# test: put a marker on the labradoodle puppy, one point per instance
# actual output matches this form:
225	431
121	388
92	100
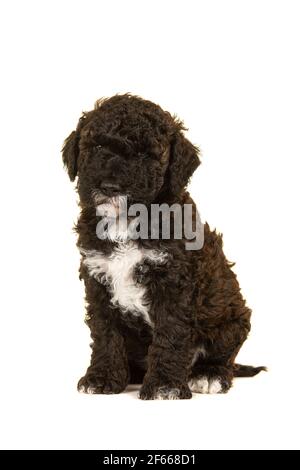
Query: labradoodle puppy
160	314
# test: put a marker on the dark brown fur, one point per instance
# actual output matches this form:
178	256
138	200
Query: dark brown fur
194	298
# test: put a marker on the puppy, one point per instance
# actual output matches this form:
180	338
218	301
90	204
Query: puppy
161	312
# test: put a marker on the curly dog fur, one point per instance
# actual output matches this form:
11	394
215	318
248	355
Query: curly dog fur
171	319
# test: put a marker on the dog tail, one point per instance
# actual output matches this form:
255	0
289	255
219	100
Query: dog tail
247	371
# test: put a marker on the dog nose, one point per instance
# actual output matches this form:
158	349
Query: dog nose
110	187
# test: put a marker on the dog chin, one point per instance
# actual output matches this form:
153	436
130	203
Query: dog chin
99	197
109	206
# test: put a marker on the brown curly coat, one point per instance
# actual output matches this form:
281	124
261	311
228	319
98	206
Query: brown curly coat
198	319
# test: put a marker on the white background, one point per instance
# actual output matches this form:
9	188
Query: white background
231	70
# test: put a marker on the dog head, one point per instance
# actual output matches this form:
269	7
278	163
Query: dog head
129	146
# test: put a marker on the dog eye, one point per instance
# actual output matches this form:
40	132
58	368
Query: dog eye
98	147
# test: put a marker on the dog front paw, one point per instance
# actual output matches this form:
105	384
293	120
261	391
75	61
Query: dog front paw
95	384
165	393
210	385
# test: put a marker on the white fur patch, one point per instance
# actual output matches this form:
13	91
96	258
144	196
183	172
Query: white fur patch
200	385
90	390
203	385
215	386
114	221
116	271
167	394
110	207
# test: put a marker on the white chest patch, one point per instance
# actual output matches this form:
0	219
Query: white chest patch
117	272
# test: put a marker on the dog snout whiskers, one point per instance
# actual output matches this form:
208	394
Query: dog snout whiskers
112	188
98	197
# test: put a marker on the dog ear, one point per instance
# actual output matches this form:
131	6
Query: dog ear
70	154
184	160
